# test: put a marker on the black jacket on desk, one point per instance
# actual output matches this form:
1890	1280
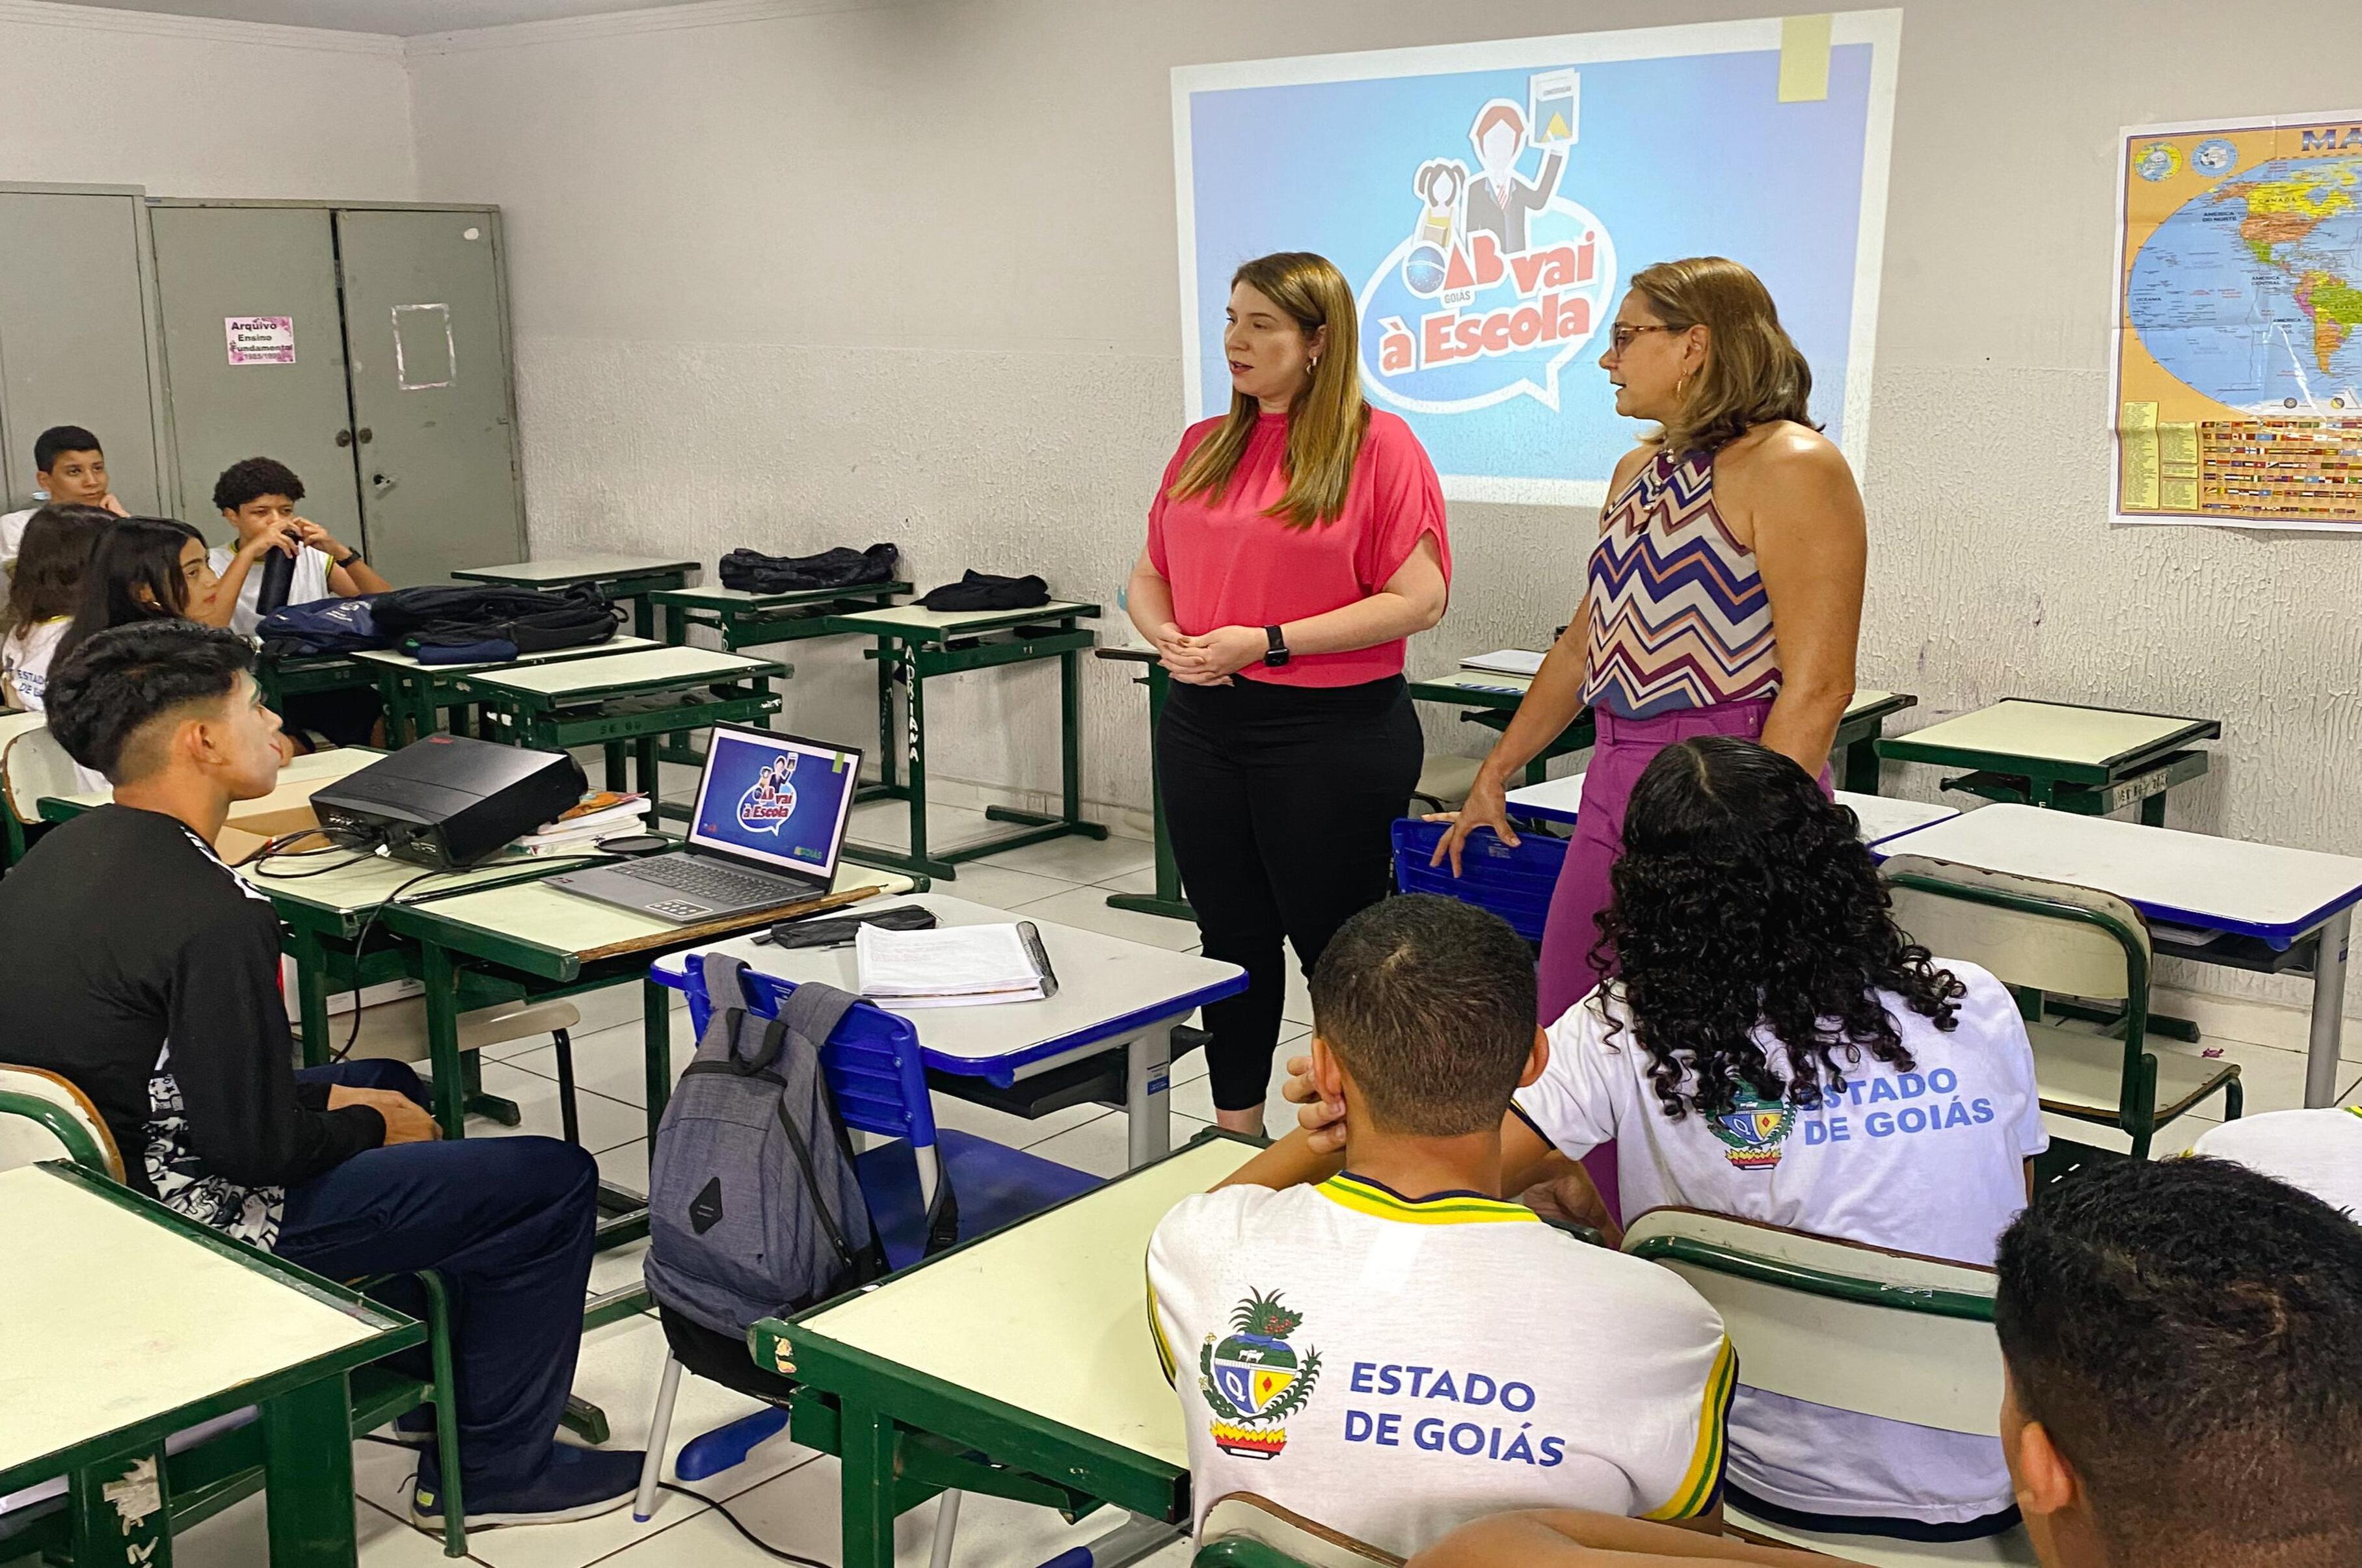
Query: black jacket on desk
133	964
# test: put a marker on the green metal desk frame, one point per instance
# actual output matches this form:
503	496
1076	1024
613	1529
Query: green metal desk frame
746	621
2140	777
914	654
304	1440
640	588
1493	710
903	1436
587	716
1167	900
280	679
416	695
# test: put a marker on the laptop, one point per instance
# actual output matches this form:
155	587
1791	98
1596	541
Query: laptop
768	830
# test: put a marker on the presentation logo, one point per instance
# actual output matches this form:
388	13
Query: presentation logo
1253	1380
1503	279
770	800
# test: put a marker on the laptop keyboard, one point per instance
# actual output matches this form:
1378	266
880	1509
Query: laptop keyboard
720	884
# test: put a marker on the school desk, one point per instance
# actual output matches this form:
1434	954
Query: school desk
742	619
1113	995
1018	1364
2069	758
636	578
415	694
127	1322
2214	901
619	699
917	644
1882	816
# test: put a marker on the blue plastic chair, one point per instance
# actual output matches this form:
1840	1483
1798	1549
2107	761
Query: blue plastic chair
877	1072
1515	882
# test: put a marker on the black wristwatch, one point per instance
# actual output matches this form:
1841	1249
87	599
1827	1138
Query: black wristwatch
349	559
1278	654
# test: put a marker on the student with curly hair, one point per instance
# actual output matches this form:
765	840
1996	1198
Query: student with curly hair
1774	1047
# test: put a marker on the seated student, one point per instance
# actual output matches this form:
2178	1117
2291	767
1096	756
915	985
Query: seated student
142	970
147	568
2179	1341
71	471
1775	1048
43	593
1397	1351
257	498
2319	1152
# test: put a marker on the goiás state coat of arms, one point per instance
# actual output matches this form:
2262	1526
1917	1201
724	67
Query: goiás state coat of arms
1753	1130
1253	1379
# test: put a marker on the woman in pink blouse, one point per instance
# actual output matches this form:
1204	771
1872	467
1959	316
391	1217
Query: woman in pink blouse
1293	544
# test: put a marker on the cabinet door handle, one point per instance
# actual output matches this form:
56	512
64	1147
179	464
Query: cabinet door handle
343	437
381	483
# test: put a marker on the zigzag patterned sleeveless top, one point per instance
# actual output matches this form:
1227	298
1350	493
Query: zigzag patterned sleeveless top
1679	615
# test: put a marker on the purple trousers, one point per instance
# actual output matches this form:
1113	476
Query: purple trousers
1626	746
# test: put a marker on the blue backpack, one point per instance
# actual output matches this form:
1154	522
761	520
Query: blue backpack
323	626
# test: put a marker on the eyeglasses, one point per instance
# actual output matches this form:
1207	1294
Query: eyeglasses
1620	335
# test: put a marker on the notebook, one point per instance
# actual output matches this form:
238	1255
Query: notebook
1504	661
953	965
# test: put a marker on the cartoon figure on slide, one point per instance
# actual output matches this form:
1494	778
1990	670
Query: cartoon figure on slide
771	799
1500	200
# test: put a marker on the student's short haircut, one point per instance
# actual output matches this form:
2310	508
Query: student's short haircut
252	480
57	440
2187	1332
1429	1003
106	692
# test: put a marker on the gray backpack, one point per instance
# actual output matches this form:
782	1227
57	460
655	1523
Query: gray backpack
754	1211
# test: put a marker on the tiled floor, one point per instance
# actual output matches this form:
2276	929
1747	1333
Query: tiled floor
787	1494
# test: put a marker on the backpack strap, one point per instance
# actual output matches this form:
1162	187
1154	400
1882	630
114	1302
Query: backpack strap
726	992
813	1010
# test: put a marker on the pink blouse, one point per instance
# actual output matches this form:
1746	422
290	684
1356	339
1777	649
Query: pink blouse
1231	565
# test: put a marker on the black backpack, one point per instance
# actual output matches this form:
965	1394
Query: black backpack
470	624
751	571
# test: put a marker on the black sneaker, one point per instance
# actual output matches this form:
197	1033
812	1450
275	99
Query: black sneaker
577	1483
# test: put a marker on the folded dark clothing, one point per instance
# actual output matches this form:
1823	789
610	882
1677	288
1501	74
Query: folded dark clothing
982	590
751	571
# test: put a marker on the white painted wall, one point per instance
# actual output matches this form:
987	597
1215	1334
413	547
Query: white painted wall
907	271
190	107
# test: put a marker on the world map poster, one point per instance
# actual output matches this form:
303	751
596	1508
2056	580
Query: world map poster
2238	374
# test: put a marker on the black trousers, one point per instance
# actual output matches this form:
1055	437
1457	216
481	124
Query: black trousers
1280	802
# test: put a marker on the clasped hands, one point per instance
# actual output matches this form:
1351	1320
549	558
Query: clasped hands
1211	660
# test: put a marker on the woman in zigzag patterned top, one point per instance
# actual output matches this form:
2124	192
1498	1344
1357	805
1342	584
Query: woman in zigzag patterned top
1723	596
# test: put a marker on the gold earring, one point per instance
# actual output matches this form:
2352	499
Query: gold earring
1681	385
1312	364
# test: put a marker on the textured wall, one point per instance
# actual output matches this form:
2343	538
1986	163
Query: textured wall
907	271
189	107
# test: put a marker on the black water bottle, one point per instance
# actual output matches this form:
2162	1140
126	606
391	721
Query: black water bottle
278	577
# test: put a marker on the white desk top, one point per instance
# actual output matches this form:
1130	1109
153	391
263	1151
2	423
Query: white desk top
2185	878
1882	816
647	666
615	645
1106	987
1488	681
916	617
561	922
355	886
2051	732
1071	1278
577	569
110	1318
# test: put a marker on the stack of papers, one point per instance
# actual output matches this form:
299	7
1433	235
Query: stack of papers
600	815
1504	661
952	965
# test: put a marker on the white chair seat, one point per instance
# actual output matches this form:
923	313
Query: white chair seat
397	1030
2082	1074
1879	1552
1446	780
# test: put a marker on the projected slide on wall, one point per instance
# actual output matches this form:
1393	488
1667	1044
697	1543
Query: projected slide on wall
1490	201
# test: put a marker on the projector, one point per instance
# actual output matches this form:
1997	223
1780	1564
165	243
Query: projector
449	801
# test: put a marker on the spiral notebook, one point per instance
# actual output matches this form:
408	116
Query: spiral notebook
953	965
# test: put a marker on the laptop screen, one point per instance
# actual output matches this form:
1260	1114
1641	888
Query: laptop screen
775	800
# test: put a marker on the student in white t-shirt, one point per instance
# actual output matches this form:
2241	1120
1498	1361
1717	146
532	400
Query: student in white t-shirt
71	470
43	593
1748	919
2319	1152
257	498
1397	1351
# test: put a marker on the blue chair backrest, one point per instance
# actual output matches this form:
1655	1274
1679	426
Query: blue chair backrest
871	1060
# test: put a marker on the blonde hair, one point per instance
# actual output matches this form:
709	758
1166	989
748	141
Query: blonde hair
1327	420
1753	371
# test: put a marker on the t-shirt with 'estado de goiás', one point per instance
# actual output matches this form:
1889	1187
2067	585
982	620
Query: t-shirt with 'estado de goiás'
1394	1368
1930	1161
